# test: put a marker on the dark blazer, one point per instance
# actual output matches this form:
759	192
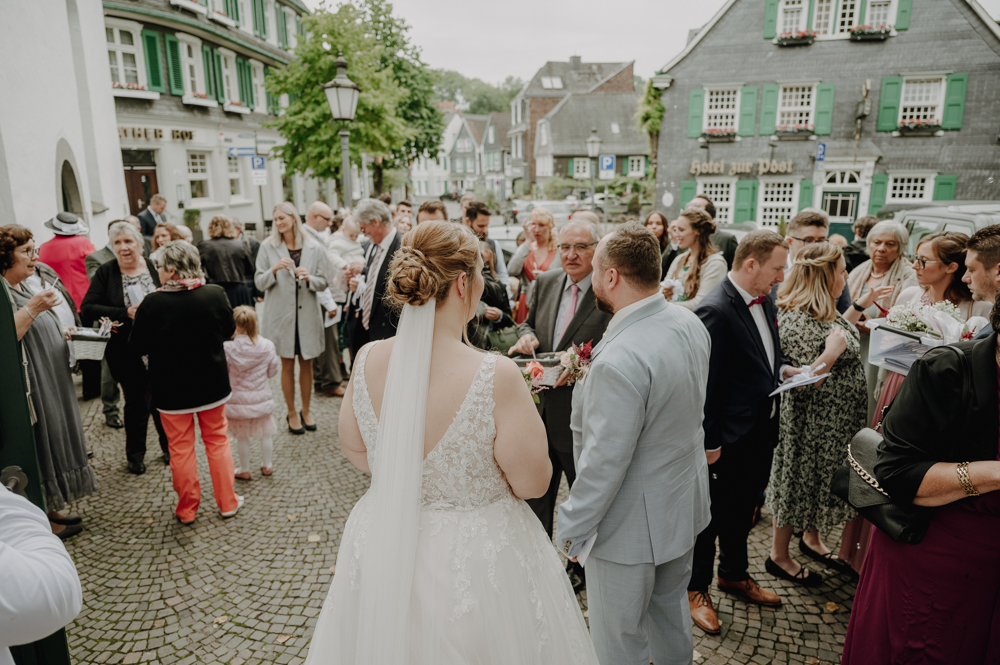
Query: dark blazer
739	378
587	325
933	419
183	333
384	320
105	297
225	260
94	261
667	257
727	244
147	223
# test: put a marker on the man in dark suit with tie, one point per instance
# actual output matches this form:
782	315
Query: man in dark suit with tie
741	421
152	215
562	311
368	318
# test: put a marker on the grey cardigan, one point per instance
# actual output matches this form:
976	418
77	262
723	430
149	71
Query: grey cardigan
283	294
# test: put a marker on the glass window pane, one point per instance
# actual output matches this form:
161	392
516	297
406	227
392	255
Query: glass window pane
129	68
126	37
821	16
721	109
113	61
845	20
198	189
109	34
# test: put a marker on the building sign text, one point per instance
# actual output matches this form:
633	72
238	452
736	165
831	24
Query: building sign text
719	167
154	133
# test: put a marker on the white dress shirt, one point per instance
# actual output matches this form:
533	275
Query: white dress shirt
764	329
39	586
583	286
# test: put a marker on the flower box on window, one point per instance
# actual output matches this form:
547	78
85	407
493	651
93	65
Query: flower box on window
719	135
870	33
127	86
796	38
919	127
200	95
793	132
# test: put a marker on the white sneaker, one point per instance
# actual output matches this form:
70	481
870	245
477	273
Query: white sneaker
239	504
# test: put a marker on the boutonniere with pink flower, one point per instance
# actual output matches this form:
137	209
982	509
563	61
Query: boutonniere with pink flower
532	373
576	361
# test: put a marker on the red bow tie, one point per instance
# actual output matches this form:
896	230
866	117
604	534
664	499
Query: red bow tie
759	300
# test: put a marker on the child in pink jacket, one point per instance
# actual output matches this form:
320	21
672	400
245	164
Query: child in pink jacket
252	361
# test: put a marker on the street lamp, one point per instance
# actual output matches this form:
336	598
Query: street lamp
593	150
342	96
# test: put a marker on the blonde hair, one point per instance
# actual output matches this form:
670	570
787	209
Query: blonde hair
810	282
288	209
431	257
221	227
245	317
544	216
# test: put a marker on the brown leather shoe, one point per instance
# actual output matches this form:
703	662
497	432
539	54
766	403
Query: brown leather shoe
339	391
702	612
750	590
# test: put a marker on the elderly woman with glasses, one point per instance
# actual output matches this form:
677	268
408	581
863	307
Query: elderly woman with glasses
181	329
58	430
114	294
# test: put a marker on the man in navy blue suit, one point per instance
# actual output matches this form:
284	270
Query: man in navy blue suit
741	421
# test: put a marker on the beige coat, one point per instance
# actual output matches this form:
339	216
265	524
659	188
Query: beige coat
713	271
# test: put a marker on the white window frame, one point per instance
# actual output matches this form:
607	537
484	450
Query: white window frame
269	22
291	36
206	176
491	135
260	92
831	31
544	165
196	61
239	196
890	19
636	172
723	207
138	50
616	128
736	112
803	10
928	193
812	101
231	83
543	133
792	205
246	16
217	12
190	5
581	173
552	82
459	165
939	102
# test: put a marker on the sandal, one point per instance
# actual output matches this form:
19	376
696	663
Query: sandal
829	560
266	470
245	475
804	577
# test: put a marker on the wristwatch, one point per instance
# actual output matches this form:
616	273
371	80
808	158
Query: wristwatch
856	306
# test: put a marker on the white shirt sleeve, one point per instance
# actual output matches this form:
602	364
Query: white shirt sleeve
39	587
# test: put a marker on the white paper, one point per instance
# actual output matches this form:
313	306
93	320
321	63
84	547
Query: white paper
791	382
332	320
135	293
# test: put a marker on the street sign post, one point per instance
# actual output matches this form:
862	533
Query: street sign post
820	154
606	167
258	171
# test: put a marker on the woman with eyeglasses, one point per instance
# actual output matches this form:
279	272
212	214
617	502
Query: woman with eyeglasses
702	266
534	257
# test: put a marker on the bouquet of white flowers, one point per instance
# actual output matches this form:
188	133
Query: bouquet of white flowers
941	320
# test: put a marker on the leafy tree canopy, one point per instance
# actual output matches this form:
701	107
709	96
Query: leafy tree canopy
475	95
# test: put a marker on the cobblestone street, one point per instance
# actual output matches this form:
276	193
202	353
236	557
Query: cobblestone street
248	590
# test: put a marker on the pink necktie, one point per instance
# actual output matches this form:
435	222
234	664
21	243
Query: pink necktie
570	312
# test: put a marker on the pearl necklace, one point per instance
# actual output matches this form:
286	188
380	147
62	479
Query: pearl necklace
874	276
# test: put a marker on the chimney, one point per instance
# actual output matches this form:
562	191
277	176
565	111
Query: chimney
574	63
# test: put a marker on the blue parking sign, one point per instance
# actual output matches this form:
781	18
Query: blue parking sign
607	162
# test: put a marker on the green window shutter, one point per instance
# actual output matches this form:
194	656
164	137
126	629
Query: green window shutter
880	187
954	101
862	6
748	111
696	107
154	64
206	59
903	10
625	165
257	7
272	100
648	167
823	117
203	3
805	194
175	69
809	16
888	104
944	187
689	188
569	168
220	85
770	19
745	204
279	26
298	26
241	91
769	109
263	20
234	10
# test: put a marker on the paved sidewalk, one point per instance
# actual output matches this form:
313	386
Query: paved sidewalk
248	590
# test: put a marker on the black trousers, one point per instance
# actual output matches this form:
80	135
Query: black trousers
735	483
90	370
359	337
134	380
545	505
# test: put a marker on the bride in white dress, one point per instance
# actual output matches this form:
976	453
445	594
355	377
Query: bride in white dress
442	561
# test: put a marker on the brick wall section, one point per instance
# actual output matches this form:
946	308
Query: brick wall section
537	108
944	36
623	81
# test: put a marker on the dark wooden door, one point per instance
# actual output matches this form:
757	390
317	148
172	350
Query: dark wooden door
140	185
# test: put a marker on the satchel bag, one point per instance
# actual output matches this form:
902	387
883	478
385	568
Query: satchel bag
855	482
502	340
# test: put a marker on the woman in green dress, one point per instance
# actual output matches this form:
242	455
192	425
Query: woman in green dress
817	421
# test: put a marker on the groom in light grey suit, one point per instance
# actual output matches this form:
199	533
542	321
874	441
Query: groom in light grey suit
642	478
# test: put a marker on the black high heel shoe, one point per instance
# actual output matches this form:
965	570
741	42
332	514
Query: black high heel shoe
291	429
311	428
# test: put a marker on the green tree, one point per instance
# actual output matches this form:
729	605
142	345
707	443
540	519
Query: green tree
475	95
649	117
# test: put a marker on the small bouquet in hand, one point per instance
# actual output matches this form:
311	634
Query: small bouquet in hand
532	373
941	320
576	361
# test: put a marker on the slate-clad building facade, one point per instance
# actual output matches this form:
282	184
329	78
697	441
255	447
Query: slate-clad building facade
847	105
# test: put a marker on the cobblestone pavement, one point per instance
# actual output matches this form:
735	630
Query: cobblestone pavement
248	590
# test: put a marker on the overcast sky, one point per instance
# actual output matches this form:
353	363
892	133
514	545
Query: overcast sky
514	38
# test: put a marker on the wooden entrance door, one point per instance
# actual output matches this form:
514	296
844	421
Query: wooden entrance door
140	185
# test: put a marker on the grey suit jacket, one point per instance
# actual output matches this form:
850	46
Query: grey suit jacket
94	261
642	476
587	325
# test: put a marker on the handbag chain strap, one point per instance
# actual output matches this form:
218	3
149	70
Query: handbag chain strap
860	470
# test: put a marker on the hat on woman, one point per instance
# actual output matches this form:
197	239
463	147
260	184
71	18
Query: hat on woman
66	224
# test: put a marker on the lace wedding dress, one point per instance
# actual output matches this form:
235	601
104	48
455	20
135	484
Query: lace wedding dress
488	586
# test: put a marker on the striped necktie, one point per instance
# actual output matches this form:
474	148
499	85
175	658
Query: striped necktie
366	311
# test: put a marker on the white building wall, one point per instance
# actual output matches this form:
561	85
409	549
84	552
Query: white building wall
53	110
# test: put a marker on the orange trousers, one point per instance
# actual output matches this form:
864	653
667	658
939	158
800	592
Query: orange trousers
184	465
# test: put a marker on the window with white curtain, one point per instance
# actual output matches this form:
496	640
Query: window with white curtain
921	99
795	105
721	193
721	108
777	201
198	169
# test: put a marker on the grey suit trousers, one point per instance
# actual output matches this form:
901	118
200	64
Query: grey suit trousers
109	391
640	612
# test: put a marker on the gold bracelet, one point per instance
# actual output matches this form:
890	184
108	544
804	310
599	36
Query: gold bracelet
963	479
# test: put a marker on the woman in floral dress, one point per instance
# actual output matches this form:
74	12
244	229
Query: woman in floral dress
819	420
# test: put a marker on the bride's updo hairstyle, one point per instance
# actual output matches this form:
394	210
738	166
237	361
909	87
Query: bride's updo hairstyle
432	256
